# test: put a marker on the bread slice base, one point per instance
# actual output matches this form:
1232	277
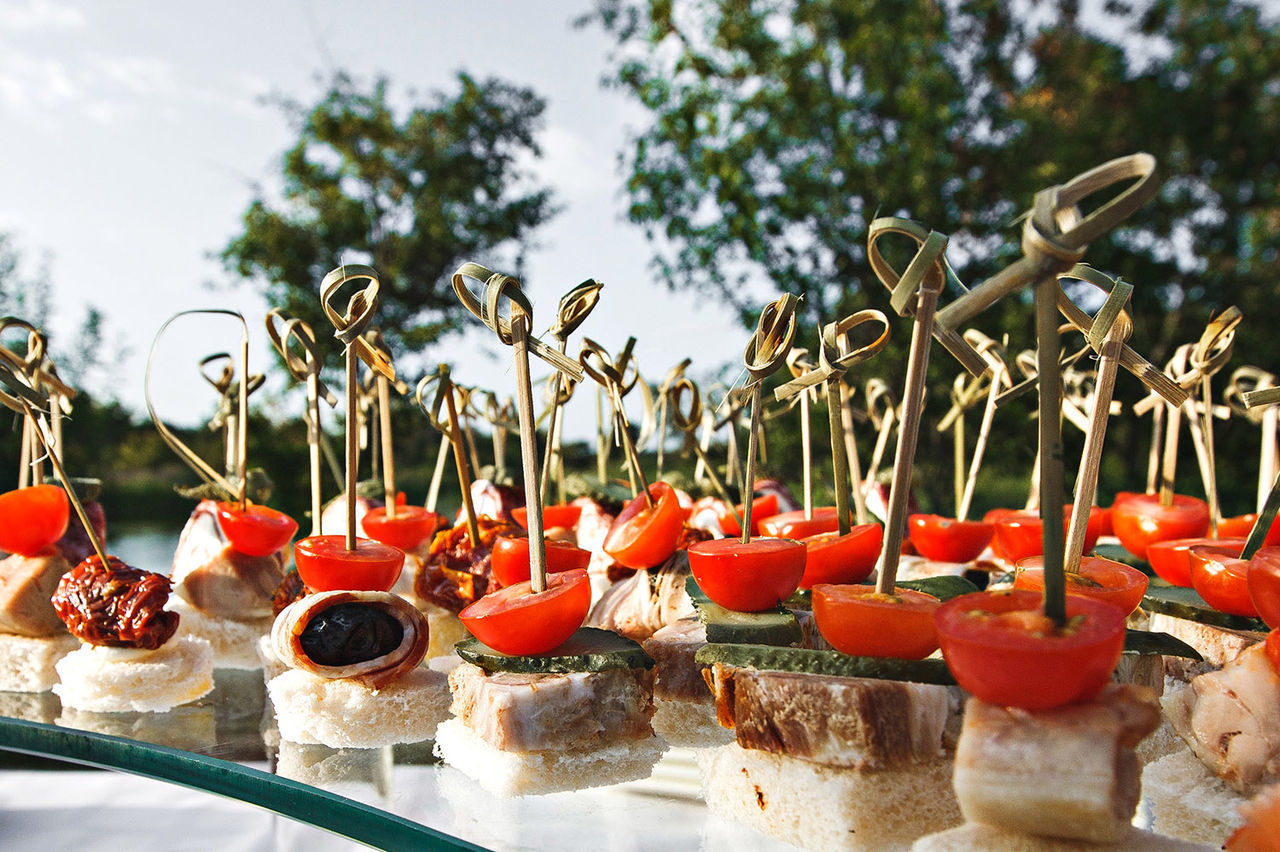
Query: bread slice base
989	838
689	724
823	807
507	773
1188	801
234	643
119	680
27	662
342	713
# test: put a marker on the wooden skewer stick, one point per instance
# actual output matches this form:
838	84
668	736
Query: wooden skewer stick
1209	356
923	280
1086	486
515	332
449	428
572	311
851	453
597	364
799	365
877	390
349	328
688	424
1000	378
1244	384
766	351
305	368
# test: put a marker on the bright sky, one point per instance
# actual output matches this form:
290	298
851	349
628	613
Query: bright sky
134	132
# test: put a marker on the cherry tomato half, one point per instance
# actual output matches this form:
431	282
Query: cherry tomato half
33	518
834	558
1241	525
991	517
857	620
515	620
255	530
411	526
1021	534
556	515
1171	559
761	508
1115	583
1221	577
1141	520
749	577
1264	584
644	536
510	559
1002	649
325	564
947	539
794	524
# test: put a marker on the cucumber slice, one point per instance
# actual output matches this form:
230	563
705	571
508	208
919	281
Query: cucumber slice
773	627
588	650
1149	642
830	663
1182	602
944	587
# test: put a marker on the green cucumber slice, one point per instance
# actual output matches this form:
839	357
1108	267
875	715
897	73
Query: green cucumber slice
830	663
590	649
1183	602
772	627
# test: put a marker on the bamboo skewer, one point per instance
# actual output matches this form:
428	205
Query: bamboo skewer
851	453
450	429
305	369
572	311
515	331
349	329
610	376
765	352
799	365
688	424
1246	381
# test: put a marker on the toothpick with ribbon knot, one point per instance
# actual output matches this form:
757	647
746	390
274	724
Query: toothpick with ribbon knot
1264	398
766	351
515	330
616	379
1055	236
449	429
384	381
571	313
28	367
1245	384
349	328
305	367
674	375
18	395
687	422
227	417
1106	334
835	357
922	283
884	412
236	467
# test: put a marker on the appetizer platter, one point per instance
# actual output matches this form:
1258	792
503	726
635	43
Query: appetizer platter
651	660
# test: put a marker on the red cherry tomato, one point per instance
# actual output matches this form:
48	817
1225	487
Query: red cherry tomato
1241	525
510	559
761	508
644	536
515	620
857	620
1140	520
834	558
1264	584
1112	582
1171	559
749	577
325	564
794	525
255	530
33	518
990	518
1002	649
1021	534
1221	577
947	539
411	526
557	515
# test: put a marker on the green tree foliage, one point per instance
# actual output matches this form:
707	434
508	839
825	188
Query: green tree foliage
779	130
412	192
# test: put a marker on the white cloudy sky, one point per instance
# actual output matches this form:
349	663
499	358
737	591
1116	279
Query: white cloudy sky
134	131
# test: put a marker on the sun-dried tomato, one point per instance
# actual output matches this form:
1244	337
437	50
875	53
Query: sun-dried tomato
115	605
454	573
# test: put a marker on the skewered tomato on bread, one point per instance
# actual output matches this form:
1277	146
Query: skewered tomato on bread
33	518
751	576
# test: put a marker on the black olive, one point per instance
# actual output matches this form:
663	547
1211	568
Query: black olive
350	633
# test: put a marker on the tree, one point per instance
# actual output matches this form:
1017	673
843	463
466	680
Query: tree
411	194
780	130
